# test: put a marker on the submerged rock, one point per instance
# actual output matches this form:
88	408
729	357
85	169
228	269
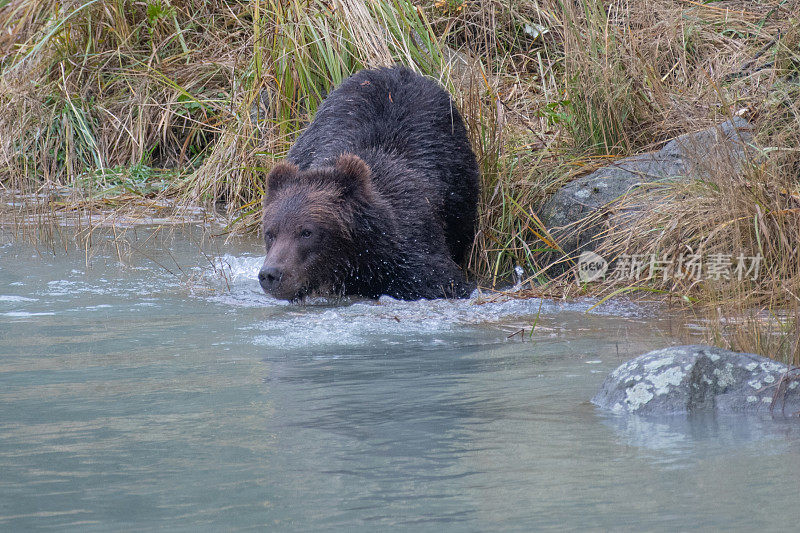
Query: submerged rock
689	156
686	379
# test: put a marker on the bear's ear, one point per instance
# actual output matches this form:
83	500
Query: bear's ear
281	174
354	175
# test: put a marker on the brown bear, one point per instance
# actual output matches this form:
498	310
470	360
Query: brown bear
378	195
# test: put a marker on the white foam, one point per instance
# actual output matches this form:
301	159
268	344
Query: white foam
239	269
233	281
25	314
15	298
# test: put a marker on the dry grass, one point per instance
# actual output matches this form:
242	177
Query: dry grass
743	59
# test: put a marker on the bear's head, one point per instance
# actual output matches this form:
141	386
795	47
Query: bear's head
310	226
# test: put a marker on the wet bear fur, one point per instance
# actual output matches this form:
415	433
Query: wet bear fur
377	196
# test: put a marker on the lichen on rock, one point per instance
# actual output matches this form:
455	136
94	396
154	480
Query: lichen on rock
685	379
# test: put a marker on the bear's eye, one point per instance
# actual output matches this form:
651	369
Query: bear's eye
269	236
306	233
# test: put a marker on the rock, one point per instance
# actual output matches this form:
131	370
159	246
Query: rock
260	109
465	71
683	158
687	379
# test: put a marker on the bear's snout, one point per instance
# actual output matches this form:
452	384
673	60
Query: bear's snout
269	277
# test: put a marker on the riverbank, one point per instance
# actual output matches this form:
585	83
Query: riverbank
127	107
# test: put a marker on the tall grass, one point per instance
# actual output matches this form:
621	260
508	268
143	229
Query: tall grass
731	207
302	49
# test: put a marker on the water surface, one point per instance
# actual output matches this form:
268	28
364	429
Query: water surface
150	385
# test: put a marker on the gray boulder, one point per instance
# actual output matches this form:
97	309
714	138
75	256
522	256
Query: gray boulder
686	157
687	379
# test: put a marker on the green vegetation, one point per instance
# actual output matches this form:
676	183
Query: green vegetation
194	101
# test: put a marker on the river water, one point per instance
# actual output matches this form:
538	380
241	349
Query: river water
148	384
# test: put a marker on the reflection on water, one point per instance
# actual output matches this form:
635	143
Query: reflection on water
679	437
167	392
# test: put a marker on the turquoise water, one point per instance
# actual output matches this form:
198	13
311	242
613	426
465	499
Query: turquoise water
150	385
